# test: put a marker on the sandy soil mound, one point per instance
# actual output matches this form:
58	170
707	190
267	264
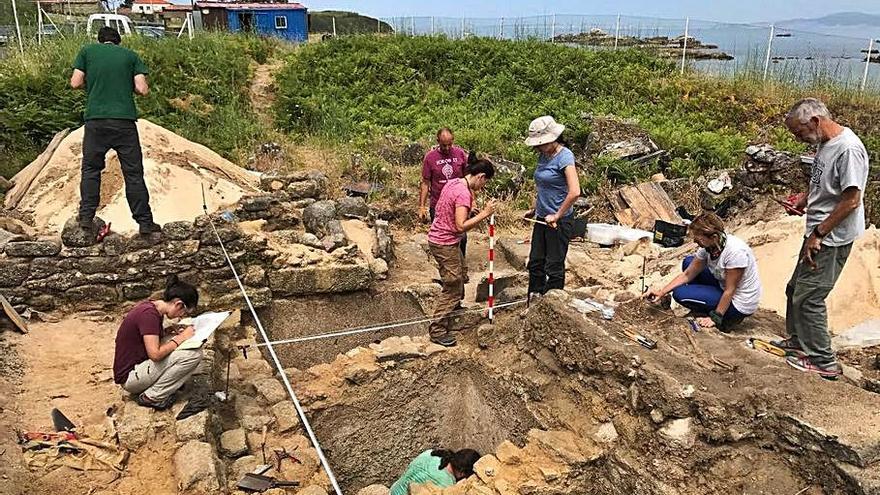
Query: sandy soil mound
856	296
175	169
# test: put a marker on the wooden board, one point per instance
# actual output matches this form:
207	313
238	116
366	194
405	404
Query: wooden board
26	176
13	315
659	201
643	212
622	212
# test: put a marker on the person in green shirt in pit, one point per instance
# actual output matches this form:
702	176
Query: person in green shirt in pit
110	75
442	468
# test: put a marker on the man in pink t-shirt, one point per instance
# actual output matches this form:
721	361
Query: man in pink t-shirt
444	162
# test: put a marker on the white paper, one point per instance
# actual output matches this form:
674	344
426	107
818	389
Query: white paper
204	324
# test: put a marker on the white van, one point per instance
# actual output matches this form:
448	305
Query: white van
119	22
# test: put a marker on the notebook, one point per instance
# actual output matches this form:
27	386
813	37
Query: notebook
204	324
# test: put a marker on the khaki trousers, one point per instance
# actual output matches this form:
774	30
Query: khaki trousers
451	266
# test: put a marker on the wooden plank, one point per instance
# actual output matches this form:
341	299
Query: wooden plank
625	217
622	212
13	315
659	201
643	212
26	176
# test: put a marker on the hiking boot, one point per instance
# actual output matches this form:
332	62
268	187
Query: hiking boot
149	228
446	340
791	346
830	371
87	226
144	401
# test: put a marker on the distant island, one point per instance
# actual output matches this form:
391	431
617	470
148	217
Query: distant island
346	23
853	24
664	46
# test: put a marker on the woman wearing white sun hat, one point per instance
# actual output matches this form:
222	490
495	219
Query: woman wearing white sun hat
558	187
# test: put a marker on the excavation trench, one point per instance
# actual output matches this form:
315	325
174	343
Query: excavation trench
645	422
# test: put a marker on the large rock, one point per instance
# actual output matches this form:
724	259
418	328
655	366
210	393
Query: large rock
318	215
679	433
384	247
319	279
312	490
242	466
352	207
178	231
374	490
14	273
270	391
32	249
72	235
233	443
195	468
135	426
194	427
92	296
286	417
304	189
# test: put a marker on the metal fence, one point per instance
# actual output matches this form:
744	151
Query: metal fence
765	51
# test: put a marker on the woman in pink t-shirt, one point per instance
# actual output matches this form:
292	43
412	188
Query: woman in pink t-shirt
451	221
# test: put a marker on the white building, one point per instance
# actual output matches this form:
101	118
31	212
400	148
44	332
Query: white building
149	6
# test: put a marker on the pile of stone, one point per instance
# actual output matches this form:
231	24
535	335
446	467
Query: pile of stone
765	166
45	273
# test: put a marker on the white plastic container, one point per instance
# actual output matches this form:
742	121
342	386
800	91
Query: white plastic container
607	235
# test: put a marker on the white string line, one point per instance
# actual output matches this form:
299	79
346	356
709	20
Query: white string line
299	409
354	331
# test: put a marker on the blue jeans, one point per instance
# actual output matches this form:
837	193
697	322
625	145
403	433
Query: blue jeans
703	293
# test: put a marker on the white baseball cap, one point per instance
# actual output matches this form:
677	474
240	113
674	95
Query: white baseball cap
543	130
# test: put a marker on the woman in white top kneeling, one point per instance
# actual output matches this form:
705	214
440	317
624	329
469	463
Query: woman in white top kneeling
720	281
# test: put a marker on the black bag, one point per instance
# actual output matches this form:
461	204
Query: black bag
669	234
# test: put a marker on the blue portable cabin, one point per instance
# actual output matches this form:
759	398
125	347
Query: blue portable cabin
289	21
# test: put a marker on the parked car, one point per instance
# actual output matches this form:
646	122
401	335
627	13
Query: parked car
120	22
150	31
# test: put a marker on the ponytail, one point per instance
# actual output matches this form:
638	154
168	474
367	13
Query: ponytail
177	289
462	461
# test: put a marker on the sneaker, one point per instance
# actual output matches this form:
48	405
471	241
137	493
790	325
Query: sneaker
791	346
828	371
445	341
144	401
149	228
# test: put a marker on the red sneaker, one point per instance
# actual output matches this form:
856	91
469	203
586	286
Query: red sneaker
830	371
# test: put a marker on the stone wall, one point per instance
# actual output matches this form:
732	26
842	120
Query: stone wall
74	272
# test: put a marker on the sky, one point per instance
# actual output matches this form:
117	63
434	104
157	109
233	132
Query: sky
715	10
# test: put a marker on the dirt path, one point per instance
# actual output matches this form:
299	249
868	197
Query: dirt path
68	365
262	90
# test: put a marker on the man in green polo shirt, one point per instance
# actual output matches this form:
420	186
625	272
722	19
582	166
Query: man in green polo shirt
110	74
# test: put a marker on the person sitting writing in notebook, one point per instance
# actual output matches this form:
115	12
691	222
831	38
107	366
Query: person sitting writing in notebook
147	362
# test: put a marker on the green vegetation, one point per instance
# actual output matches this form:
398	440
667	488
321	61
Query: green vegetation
358	88
346	23
198	90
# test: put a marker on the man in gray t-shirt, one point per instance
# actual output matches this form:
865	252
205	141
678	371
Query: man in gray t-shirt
835	218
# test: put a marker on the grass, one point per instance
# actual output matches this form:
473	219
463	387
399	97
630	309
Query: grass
487	90
198	90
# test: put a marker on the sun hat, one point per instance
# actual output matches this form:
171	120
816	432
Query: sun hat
543	130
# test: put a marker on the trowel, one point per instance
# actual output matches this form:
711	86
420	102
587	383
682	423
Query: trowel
258	483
